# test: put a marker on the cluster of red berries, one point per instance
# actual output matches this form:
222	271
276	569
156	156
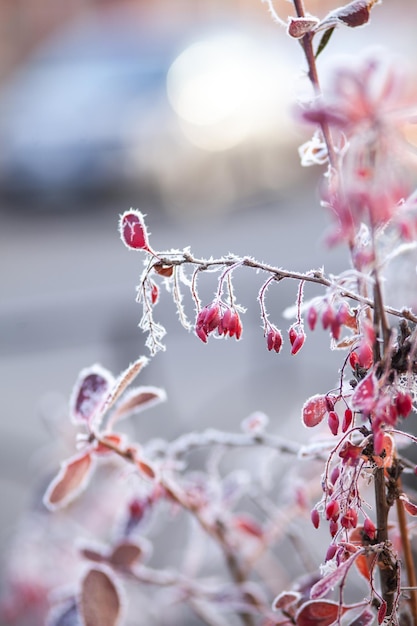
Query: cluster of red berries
217	316
333	317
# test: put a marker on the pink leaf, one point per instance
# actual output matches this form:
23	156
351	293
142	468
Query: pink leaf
122	382
133	231
69	482
100	600
365	395
137	400
89	393
317	613
329	582
286	600
314	410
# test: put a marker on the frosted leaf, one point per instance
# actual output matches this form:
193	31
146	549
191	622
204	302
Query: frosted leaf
122	382
89	393
100	599
317	613
69	482
137	400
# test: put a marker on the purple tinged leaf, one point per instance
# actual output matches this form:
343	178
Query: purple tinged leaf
70	481
356	13
89	393
100	600
329	581
286	600
317	613
137	400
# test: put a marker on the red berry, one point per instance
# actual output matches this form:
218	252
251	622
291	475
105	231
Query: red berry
332	510
369	528
349	519
327	317
333	422
333	527
312	318
315	518
347	420
404	404
331	551
298	342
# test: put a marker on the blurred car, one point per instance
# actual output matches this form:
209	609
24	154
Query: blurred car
111	104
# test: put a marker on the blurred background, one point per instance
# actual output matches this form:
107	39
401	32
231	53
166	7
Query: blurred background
183	109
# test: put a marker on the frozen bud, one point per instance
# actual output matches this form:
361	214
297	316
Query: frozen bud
315	518
343	314
327	317
238	330
333	422
212	318
297	338
365	355
403	403
369	528
332	510
312	318
334	475
349	519
353	360
274	339
335	329
347	420
292	335
331	551
201	333
333	527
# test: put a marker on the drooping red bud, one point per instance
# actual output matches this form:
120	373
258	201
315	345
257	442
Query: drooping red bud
369	528
404	404
327	317
331	551
347	420
315	518
349	519
332	510
298	341
333	527
312	318
274	339
333	422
